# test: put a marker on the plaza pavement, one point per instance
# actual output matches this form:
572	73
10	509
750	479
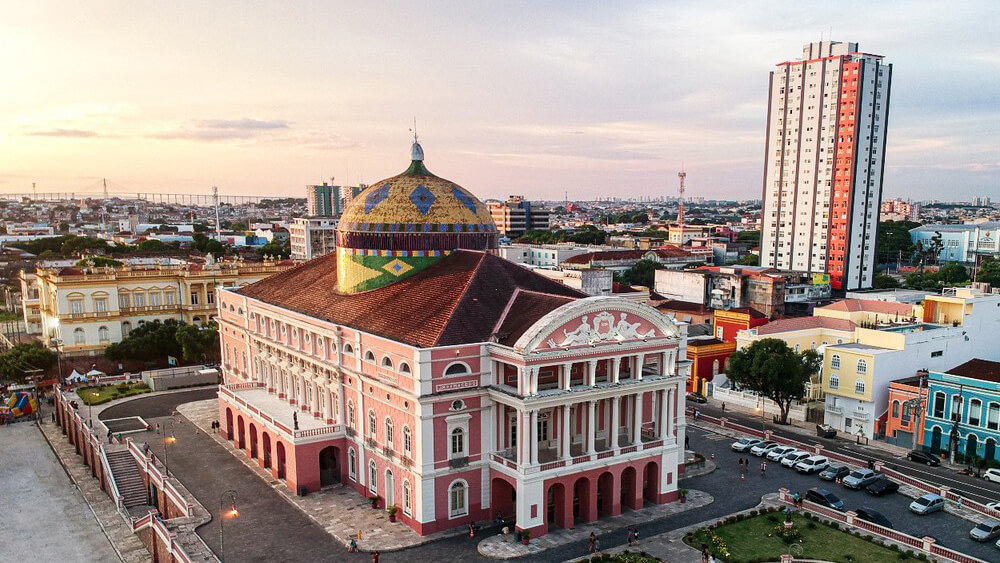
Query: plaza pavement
43	516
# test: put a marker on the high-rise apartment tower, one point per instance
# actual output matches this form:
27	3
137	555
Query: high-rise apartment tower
826	128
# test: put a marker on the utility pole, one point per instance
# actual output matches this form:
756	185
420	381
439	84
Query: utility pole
215	202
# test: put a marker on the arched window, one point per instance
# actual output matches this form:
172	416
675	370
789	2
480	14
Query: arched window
457	505
798	348
457	442
834	381
715	367
350	414
895	409
372	425
389	432
407	441
993	416
407	499
859	387
369	357
404	368
103	334
939	399
457	368
372	477
906	416
835	362
862	366
352	464
975	412
126	328
956	408
348	349
386	362
79	338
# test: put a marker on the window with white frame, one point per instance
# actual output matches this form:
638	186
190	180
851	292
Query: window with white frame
389	428
386	362
352	464
350	414
79	337
171	298
975	412
457	368
457	499
369	356
372	425
372	477
407	441
835	362
939	399
404	368
101	304
859	387
457	442
993	416
862	366
102	334
407	499
348	349
458	433
956	408
834	381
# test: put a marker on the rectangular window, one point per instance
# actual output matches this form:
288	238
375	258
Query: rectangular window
140	300
123	300
101	305
211	297
171	299
76	307
937	354
194	298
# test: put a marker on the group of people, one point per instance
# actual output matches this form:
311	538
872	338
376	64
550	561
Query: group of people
744	464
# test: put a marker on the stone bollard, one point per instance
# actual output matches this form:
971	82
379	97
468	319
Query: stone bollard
851	515
944	491
786	558
928	542
722	422
879	465
818	449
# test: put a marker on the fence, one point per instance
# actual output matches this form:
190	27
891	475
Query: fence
797	411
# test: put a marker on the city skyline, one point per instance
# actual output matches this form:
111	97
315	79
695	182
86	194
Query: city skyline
526	98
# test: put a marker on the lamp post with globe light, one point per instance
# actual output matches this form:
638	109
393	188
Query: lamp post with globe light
229	494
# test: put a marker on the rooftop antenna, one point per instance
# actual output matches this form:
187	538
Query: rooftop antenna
215	202
104	206
34	192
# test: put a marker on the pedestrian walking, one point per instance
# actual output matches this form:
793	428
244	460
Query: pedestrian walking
743	477
960	503
635	536
741	463
631	536
592	543
472	530
353	546
723	406
704	555
871	464
375	555
763	468
687	442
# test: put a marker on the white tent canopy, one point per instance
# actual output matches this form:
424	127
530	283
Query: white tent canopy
76	376
95	373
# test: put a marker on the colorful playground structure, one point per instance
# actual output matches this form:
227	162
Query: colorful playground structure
17	405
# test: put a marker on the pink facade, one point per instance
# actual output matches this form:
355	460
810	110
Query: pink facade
585	408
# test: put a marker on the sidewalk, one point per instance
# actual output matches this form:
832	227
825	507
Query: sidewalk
503	546
340	511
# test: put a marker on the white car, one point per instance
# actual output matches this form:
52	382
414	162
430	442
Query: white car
812	464
762	448
777	453
993	506
791	459
744	444
992	475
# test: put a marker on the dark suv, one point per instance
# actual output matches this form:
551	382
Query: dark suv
825	498
923	457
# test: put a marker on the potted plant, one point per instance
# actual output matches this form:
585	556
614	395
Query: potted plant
374	501
683	495
525	536
392	510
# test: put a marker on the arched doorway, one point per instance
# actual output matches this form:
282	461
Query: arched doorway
971	445
390	489
581	501
253	441
990	449
936	440
651	482
503	498
329	466
267	450
556	513
229	424
281	460
606	494
629	497
242	442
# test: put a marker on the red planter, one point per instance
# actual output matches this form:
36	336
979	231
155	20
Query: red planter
392	517
524	541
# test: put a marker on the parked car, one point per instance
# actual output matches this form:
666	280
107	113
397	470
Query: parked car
985	531
992	475
777	453
789	460
834	472
923	457
825	498
812	464
861	478
744	444
762	448
696	398
993	506
882	487
874	516
927	504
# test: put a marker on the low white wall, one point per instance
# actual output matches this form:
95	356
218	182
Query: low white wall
749	401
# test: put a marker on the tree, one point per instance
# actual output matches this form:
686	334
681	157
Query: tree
750	237
772	369
21	361
275	248
198	343
147	342
893	240
883	281
953	274
989	272
748	260
641	273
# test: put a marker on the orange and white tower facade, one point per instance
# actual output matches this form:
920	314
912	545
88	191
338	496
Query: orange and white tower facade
826	129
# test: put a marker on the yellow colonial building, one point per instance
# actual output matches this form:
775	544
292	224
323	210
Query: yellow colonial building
84	309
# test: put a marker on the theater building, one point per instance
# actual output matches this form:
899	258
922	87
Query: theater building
416	366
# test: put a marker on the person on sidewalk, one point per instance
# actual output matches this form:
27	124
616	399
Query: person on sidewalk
763	469
631	536
592	543
375	555
723	406
353	546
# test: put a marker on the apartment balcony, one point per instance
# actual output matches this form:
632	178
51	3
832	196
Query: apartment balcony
834	409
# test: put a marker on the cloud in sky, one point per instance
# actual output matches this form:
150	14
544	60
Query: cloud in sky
525	97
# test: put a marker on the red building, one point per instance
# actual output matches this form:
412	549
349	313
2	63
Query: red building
709	355
900	422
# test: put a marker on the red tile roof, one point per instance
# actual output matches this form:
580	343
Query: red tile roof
870	306
459	300
983	370
664	252
804	323
685	306
523	310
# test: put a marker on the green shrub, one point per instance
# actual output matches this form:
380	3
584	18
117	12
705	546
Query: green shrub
811	525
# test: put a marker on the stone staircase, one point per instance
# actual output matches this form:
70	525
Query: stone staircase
130	484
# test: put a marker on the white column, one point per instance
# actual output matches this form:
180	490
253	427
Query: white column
533	457
592	373
637	419
639	359
664	427
616	364
520	438
671	411
567	375
591	427
615	417
520	380
565	433
492	445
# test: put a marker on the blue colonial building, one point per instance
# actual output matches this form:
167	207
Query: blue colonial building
963	408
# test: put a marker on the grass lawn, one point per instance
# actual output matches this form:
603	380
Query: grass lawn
101	394
754	539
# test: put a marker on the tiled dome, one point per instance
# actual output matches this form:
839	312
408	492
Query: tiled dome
403	224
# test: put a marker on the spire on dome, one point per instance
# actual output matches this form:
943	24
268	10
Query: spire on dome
416	151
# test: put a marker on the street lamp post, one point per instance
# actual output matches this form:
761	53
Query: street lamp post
167	439
232	513
57	342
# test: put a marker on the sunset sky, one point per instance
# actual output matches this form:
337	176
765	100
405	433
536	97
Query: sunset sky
534	98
